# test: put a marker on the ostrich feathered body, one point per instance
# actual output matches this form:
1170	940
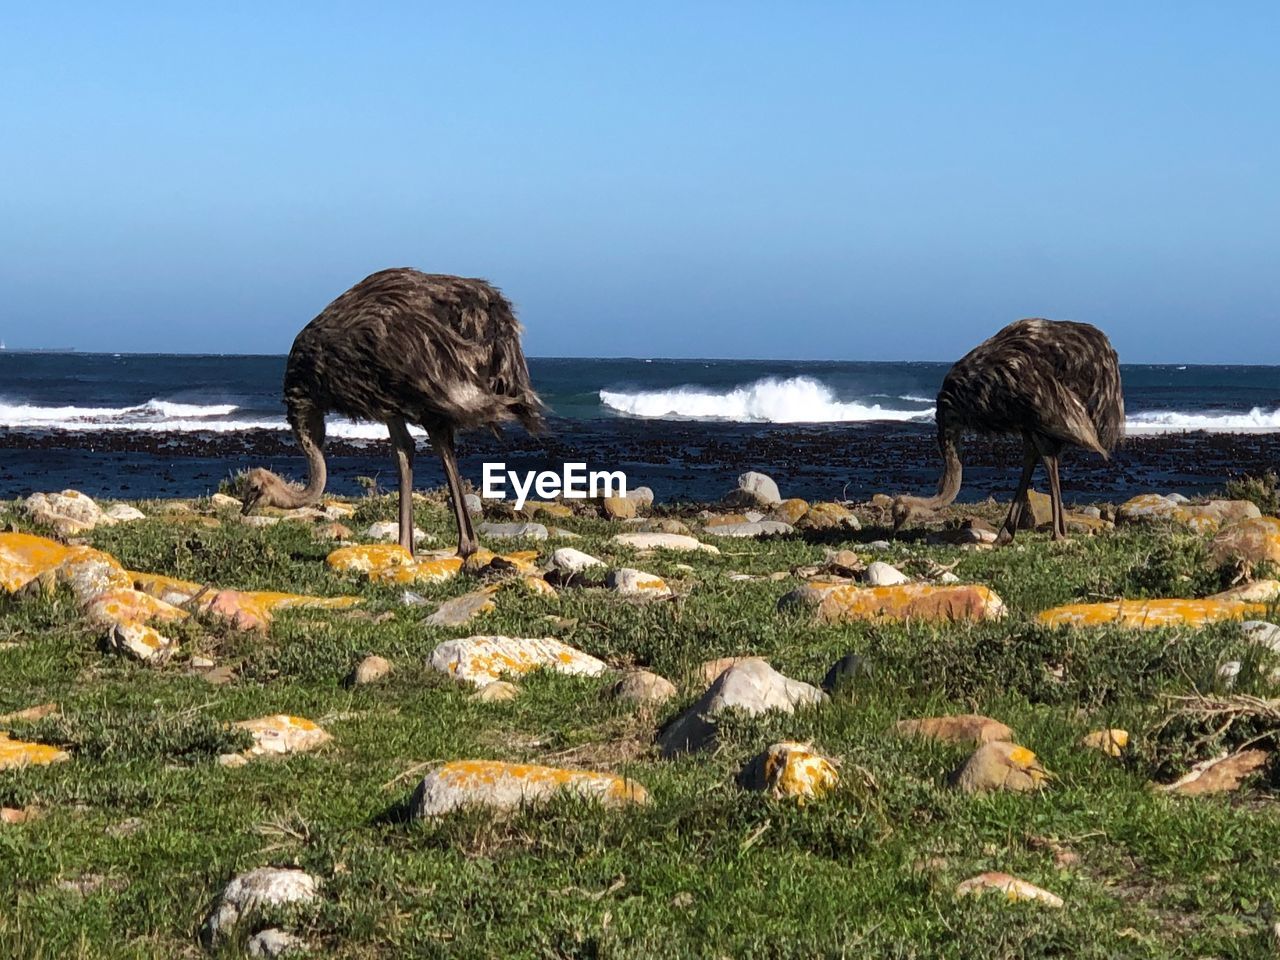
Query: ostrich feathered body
419	347
1058	379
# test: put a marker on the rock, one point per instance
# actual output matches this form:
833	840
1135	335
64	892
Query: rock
641	686
536	585
484	562
559	533
1149	614
619	508
69	512
220	501
878	545
790	511
1253	541
337	510
169	589
30	714
121	605
463	609
828	516
274	942
123	513
281	734
1037	510
533	508
636	583
663	525
200	663
499	691
1200	518
1012	888
333	531
1262	633
481	660
253	610
958	728
388	531
507	786
846	672
1221	774
569	561
999	765
247	894
370	670
1227	673
1090	511
756	528
259	520
643	496
474	505
1256	591
513	531
661	541
835	603
13	816
754	490
88	573
880	574
791	770
947	577
1111	742
16	754
141	642
750	685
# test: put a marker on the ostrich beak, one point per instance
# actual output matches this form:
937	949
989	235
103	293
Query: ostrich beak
250	501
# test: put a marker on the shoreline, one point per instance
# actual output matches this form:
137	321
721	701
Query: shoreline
686	461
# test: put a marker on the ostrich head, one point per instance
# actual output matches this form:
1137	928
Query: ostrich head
260	486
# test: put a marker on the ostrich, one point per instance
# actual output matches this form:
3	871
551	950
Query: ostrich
404	347
1053	382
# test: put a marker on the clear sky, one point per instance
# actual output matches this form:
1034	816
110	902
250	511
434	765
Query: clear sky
790	180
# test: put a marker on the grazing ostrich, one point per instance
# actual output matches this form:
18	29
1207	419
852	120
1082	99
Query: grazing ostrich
1053	382
404	347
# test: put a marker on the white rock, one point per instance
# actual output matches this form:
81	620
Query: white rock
248	893
1177	498
1228	672
878	545
69	505
388	531
661	541
274	942
642	496
755	489
881	574
123	513
481	660
636	583
753	516
259	520
221	500
475	506
1011	887
370	670
570	561
507	786
1262	633
750	685
513	531
643	686
141	642
753	528
948	577
280	734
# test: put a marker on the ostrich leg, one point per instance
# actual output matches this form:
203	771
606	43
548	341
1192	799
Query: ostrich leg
442	440
403	443
1010	528
1055	492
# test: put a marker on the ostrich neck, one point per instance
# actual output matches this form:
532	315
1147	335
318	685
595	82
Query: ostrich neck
952	471
317	475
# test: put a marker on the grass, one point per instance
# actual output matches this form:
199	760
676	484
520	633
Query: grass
706	869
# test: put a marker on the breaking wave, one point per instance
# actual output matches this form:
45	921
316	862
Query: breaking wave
1173	421
794	400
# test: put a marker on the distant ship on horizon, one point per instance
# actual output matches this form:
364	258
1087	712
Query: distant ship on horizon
37	349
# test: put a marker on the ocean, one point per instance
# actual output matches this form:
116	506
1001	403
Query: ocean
149	425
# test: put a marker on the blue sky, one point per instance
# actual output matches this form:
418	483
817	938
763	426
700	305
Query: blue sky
799	180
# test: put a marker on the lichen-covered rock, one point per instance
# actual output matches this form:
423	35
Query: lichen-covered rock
619	508
253	610
141	642
69	512
750	685
169	589
1011	887
388	531
274	942
1000	765
751	528
1037	510
520	562
559	511
569	561
483	659
791	770
709	671
424	570
280	734
636	583
494	785
790	511
754	490
663	525
1200	518
370	559
1111	742
15	754
24	556
1149	614
1221	774
661	541
643	686
513	531
1256	591
845	603
117	606
958	728
1253	541
1262	633
247	894
500	691
829	516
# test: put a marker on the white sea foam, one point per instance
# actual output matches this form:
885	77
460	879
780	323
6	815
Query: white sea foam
1174	421
794	400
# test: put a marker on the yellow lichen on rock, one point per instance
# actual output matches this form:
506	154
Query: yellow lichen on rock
1000	765
1254	540
432	570
1259	591
253	610
18	753
844	603
794	770
1149	614
1111	742
169	589
24	556
1013	889
369	558
117	606
505	786
280	734
482	660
